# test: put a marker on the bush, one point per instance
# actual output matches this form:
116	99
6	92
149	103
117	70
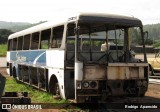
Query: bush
3	50
149	42
156	44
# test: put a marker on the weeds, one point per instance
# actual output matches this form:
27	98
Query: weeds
3	50
36	96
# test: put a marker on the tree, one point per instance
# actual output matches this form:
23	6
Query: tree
4	33
149	42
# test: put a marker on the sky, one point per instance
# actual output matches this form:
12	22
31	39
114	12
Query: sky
33	11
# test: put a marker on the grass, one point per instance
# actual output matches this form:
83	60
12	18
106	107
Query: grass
3	50
36	95
156	44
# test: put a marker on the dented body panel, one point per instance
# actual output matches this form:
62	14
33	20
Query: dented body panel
113	80
97	72
126	71
114	72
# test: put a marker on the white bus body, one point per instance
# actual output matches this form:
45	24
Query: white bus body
64	57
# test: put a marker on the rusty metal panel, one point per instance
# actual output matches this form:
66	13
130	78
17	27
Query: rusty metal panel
134	72
94	72
141	72
128	64
116	73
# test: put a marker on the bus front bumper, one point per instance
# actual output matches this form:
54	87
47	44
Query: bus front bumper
100	90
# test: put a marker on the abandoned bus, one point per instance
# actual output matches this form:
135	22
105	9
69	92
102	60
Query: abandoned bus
85	57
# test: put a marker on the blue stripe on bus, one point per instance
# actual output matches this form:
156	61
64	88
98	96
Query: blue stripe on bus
29	57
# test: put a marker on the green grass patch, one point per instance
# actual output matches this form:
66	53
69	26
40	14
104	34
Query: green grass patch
156	44
3	50
36	95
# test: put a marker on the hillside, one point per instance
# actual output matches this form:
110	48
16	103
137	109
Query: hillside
16	26
153	30
7	28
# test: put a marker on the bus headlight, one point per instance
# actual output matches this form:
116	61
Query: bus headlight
85	84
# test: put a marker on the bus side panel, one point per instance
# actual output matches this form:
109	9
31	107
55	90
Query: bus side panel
37	57
55	62
55	58
29	58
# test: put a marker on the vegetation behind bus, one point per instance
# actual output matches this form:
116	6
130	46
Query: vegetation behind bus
3	50
8	28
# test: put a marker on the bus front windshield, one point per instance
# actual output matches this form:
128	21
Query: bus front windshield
108	44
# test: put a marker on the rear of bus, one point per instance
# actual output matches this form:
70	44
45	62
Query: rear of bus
101	57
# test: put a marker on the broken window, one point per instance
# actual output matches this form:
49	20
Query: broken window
45	39
14	46
26	42
35	40
20	43
57	36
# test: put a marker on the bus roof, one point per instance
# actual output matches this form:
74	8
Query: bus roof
109	18
36	28
88	17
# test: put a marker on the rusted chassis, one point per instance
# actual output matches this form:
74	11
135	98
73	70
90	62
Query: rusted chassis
131	80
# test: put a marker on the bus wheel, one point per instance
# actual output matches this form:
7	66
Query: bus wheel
14	73
57	91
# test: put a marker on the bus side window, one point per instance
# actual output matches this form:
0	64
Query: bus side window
26	42
20	43
14	46
45	39
10	45
57	36
35	40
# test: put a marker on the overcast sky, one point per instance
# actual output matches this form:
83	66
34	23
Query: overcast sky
40	10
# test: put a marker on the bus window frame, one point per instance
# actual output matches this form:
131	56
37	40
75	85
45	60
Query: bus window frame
10	45
27	35
31	40
14	48
55	45
49	39
21	44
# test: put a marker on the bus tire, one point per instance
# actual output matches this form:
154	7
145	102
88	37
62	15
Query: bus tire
54	86
14	72
57	91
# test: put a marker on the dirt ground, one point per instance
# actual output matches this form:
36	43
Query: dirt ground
151	96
